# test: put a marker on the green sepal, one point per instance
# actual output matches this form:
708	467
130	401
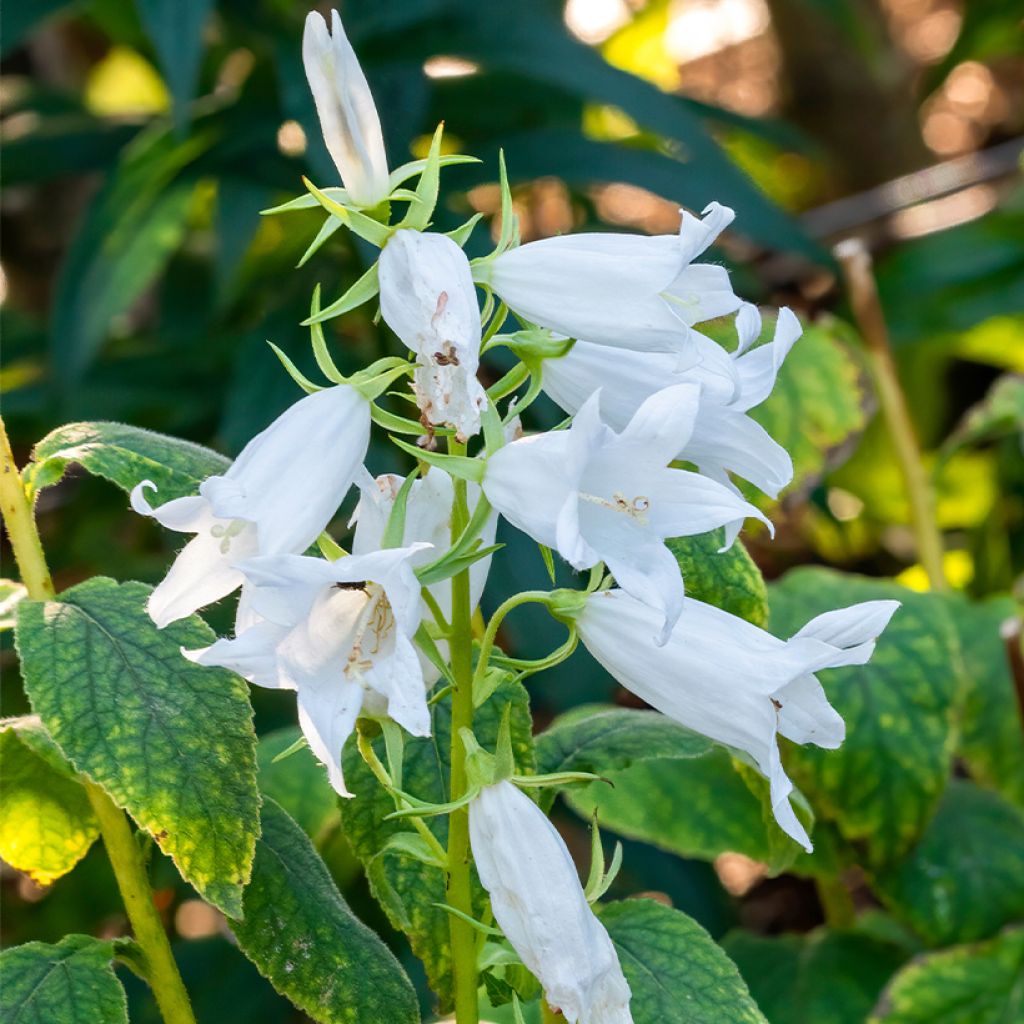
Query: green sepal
509	221
421	209
414	167
504	761
548	558
555	779
373	387
566	605
426	644
364	289
481	765
534	344
484	929
358	223
459	466
328	228
308	201
514	379
320	351
292	748
395	424
460	235
463	548
447	567
424	809
414	845
295	373
394	531
600	880
494	433
485	685
329	547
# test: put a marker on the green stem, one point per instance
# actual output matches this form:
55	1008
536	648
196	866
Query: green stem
855	261
491	633
162	972
460	893
836	902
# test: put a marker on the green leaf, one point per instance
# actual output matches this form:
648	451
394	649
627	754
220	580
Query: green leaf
298	783
965	878
176	30
676	972
823	978
727	579
883	784
46	822
170	741
12	594
998	414
124	455
301	935
69	983
991	742
405	887
600	738
982	984
699	807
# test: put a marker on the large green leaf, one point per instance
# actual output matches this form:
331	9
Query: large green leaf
882	786
406	888
1000	413
727	579
300	933
176	29
822	978
982	984
172	742
124	455
298	782
675	971
46	822
69	983
991	740
699	807
600	738
965	878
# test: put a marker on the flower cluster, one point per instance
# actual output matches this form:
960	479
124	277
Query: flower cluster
606	326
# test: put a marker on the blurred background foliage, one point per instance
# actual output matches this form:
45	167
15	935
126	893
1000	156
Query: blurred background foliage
141	140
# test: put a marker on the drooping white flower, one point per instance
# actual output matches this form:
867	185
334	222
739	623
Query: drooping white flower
724	438
348	115
621	290
595	495
277	497
428	299
428	519
539	903
340	635
733	682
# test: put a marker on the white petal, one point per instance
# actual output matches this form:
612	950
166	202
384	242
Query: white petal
185	515
649	572
805	715
748	327
285	587
399	678
780	788
348	116
696	235
663	423
759	369
850	627
539	904
701	292
253	655
327	716
291	478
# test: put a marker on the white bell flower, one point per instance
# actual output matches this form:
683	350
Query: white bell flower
622	290
339	634
595	495
724	439
733	682
428	299
539	904
348	115
277	497
428	519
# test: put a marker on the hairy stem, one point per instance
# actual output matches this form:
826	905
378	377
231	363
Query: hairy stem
161	970
855	261
460	895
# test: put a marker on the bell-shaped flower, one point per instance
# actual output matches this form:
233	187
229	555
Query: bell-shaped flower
540	905
428	299
724	438
428	519
348	115
621	290
733	682
339	634
595	495
277	497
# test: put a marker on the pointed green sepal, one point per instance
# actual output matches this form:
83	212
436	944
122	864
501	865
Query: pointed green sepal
504	760
327	229
480	765
292	748
566	605
320	351
484	929
308	201
460	235
415	846
423	809
459	466
358	223
362	291
329	547
414	167
421	209
295	373
394	531
373	387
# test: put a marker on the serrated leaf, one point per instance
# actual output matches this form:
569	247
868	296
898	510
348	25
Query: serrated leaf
301	935
981	984
406	888
600	738
676	972
46	822
727	579
699	807
124	455
823	978
883	784
298	783
71	982
965	878
11	594
170	741
991	741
